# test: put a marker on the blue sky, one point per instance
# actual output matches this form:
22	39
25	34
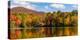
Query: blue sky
44	6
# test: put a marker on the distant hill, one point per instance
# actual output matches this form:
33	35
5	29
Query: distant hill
24	10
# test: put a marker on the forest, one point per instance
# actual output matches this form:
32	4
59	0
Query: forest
49	24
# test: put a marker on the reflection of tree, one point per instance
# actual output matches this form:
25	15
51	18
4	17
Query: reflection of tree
49	24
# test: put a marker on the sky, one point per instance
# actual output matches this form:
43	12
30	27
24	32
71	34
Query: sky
44	6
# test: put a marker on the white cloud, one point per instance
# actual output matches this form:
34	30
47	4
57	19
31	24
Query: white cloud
46	7
25	6
54	1
22	4
30	7
58	6
12	6
19	2
75	6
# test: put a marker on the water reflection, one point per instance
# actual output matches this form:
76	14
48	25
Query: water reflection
42	32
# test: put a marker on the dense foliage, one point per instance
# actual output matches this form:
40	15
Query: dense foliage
25	25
